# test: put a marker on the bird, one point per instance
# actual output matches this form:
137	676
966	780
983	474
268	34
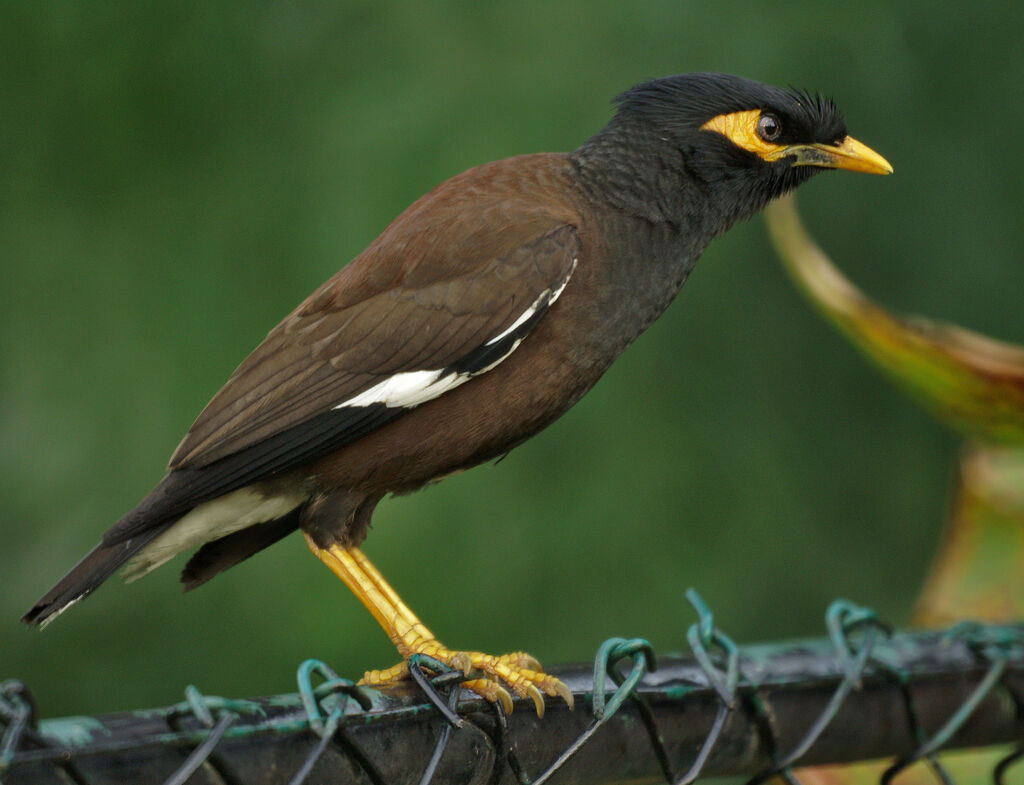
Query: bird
478	316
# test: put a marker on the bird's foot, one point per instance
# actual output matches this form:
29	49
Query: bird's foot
486	674
518	670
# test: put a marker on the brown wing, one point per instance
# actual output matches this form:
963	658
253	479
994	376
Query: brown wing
440	283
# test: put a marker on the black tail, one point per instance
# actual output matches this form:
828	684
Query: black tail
152	516
175	495
98	565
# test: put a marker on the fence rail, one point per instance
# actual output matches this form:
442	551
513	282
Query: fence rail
858	694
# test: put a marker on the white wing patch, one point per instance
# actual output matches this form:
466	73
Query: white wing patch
411	388
522	319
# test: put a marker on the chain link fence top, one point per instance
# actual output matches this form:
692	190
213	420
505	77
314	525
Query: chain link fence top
860	693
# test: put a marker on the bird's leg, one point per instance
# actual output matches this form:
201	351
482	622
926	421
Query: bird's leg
519	671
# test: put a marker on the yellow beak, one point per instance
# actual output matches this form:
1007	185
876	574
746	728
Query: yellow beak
849	154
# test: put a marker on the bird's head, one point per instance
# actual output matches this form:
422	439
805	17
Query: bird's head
739	142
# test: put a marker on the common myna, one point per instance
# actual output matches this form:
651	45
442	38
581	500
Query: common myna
477	317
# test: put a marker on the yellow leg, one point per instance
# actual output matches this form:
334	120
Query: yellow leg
519	671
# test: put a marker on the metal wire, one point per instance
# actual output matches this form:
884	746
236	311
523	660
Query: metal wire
335	691
446	707
722	710
18	712
450	679
18	719
996	645
202	752
1017	754
842	619
702	636
604	708
999	773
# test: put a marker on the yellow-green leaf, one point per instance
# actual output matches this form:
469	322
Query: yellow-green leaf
973	383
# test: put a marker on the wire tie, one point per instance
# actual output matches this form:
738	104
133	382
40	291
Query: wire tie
311	701
841	619
610	652
198	706
705	619
701	636
446	675
333	683
725	687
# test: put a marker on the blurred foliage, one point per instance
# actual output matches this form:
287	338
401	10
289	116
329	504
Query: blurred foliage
175	177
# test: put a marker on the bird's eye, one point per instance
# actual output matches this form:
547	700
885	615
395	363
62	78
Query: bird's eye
769	127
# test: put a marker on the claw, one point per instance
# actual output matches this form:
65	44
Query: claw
505	698
462	661
524	660
564	692
538	699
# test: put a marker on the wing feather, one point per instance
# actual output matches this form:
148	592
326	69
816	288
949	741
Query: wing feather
324	355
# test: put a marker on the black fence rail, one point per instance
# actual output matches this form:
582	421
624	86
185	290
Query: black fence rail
861	693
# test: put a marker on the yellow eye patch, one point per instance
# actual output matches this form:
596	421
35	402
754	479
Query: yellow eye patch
741	129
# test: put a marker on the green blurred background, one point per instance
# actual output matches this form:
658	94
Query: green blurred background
175	177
